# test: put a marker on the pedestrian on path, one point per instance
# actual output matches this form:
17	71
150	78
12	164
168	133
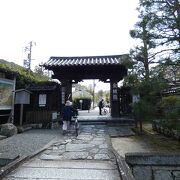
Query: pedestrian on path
101	105
67	114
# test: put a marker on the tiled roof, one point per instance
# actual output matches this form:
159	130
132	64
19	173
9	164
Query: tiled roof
84	60
42	88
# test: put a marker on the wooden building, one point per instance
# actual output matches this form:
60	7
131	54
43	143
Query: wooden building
44	103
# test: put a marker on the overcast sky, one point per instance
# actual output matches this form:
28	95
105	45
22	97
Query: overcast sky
65	28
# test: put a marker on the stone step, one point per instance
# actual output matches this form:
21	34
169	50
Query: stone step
66	170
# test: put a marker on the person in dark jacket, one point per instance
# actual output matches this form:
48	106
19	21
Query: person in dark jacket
67	114
101	105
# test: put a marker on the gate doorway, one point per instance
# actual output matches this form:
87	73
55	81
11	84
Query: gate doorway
71	70
87	94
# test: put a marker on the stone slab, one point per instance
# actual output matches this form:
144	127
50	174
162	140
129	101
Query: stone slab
70	174
101	157
120	131
94	150
75	155
103	146
2	137
72	164
141	172
99	139
85	137
51	157
96	143
162	175
78	147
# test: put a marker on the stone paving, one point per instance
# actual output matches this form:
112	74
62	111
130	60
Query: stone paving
88	157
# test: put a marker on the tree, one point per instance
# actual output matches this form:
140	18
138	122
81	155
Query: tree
38	70
157	34
143	53
107	96
165	23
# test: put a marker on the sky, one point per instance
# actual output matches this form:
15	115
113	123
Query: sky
65	28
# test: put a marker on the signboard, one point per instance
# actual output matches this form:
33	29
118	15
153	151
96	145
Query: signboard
136	98
63	95
22	96
6	93
42	100
115	92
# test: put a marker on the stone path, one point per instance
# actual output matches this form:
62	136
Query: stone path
87	157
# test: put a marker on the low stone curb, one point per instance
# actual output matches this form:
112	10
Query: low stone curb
13	165
154	166
158	159
123	167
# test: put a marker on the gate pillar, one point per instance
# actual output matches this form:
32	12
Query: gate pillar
66	93
114	99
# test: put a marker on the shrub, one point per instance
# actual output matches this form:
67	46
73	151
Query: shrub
170	107
144	110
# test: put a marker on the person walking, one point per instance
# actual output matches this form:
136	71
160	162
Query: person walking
101	105
67	114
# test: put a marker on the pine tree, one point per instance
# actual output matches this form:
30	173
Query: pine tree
165	23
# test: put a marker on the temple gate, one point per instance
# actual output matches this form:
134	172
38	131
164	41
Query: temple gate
108	69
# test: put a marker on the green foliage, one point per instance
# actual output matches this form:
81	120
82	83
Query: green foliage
158	36
86	103
107	96
100	93
144	110
164	23
158	41
149	92
168	102
24	77
127	61
170	107
170	124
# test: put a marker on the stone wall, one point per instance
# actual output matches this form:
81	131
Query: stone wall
154	166
156	126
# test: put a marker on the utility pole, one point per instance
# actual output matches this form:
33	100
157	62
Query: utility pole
27	62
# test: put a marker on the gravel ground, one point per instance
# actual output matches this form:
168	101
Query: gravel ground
145	143
27	142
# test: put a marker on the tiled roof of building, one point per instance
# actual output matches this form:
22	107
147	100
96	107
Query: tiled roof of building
42	87
84	60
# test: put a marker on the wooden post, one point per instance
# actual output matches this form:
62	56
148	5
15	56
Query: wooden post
11	118
67	85
21	114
